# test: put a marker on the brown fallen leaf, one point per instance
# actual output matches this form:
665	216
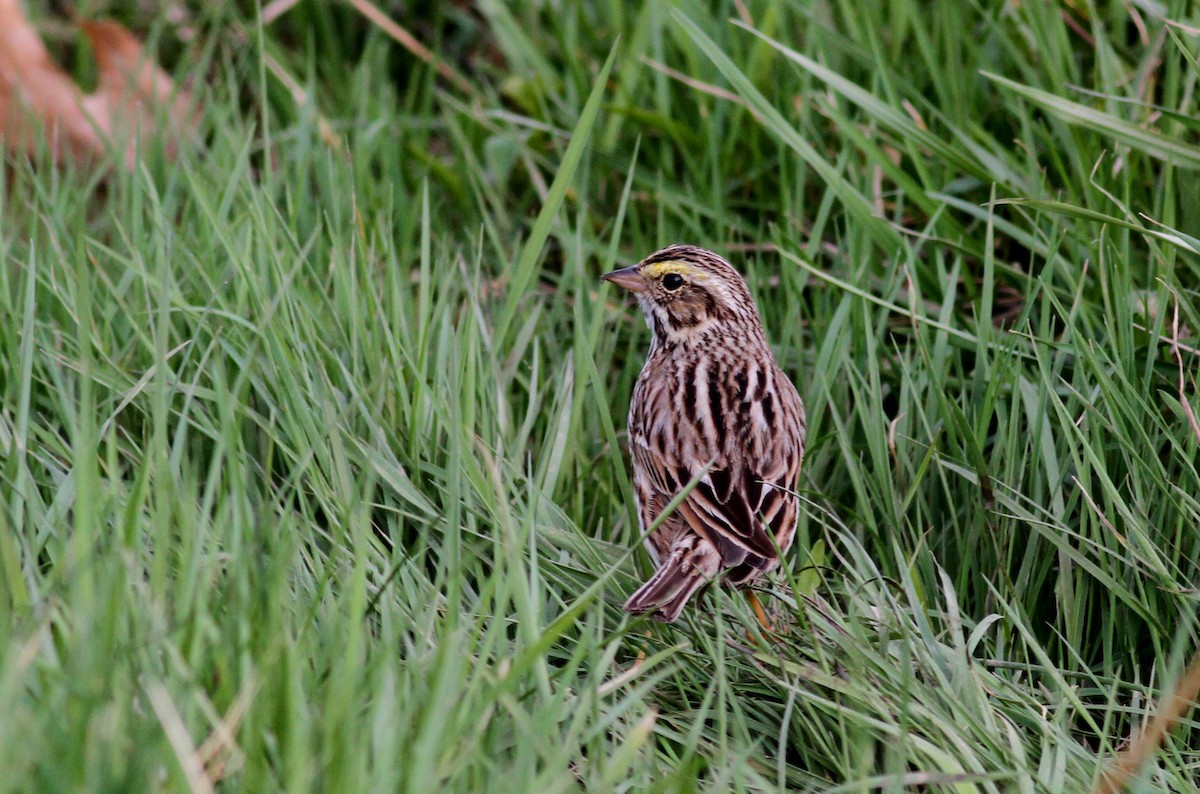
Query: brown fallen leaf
39	101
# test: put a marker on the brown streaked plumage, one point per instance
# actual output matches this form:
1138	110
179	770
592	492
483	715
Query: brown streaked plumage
709	396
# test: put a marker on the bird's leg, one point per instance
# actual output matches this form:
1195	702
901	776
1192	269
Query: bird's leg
759	613
641	655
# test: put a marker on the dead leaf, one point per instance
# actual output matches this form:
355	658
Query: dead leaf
39	101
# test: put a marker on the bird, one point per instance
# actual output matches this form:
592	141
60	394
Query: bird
711	407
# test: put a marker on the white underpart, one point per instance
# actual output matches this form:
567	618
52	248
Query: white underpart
683	335
751	382
702	407
653	552
756	415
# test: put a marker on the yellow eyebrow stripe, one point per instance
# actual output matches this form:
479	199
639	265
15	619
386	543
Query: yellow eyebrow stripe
660	269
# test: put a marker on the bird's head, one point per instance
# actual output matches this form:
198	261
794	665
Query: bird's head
685	290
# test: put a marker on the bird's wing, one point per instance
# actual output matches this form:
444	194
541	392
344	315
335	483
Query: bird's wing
750	498
744	501
748	508
748	501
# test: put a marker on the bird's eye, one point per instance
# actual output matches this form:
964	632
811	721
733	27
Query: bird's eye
672	281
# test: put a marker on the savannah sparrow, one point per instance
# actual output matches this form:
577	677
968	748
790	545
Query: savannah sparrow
711	403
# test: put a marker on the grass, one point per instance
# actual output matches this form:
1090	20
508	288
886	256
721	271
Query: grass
311	443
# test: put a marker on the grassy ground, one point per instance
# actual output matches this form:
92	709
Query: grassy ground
311	444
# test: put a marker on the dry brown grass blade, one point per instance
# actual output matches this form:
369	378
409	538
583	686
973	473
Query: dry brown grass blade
39	100
707	88
302	99
1170	711
275	9
409	42
1187	690
1173	708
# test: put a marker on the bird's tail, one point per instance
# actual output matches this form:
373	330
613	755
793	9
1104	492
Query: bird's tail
691	563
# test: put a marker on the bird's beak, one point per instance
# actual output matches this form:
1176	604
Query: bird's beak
627	277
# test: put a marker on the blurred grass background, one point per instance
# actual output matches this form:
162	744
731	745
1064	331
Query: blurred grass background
311	442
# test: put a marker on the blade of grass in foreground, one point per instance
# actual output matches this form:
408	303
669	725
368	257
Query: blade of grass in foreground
1172	236
1151	143
855	202
522	277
